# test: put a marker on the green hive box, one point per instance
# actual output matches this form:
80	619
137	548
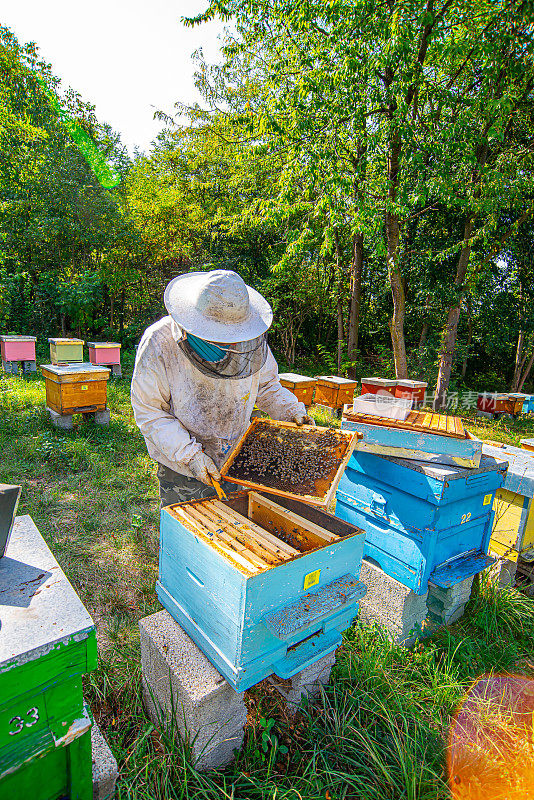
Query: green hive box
47	643
66	351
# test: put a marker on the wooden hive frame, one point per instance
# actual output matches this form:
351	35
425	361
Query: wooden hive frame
326	486
247	542
423	421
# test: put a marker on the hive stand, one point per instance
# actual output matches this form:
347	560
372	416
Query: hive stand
65	422
105	770
407	616
306	684
13	366
182	689
106	354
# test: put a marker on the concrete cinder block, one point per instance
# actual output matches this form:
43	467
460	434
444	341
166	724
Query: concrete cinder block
105	770
392	605
63	421
116	370
29	366
11	367
445	606
307	683
102	417
182	688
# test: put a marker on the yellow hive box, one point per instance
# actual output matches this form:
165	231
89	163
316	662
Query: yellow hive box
513	526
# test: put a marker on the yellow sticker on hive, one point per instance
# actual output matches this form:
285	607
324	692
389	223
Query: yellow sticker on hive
487	500
84	387
312	578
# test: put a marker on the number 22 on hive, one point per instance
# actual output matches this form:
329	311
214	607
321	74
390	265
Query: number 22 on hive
17	724
465	518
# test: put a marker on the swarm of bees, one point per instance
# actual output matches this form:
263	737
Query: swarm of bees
287	458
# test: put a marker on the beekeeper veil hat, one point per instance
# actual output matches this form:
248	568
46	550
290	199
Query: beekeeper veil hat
218	306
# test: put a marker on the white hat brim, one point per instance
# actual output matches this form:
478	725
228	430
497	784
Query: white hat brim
179	302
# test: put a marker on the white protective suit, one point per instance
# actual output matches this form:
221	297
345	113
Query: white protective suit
181	411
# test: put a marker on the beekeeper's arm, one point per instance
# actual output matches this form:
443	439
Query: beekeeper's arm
151	395
276	400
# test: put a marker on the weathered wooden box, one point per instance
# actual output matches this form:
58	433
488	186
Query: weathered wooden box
270	591
513	531
499	404
301	386
527	444
17	348
75	388
333	391
104	352
378	385
528	405
413	390
66	351
423	522
9	498
423	436
47	643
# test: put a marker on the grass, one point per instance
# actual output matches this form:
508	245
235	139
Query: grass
380	728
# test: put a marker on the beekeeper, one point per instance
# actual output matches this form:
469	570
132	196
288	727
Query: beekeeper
198	374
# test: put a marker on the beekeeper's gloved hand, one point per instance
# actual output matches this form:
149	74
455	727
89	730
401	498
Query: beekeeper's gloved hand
202	467
303	419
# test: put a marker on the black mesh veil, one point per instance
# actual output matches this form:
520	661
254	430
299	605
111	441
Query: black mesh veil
241	360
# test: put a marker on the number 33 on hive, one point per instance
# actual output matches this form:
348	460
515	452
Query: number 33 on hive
19	723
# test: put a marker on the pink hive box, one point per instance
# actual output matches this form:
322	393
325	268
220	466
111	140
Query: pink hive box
104	352
17	348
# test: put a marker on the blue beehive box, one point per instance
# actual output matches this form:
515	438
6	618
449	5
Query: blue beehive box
423	522
394	438
252	620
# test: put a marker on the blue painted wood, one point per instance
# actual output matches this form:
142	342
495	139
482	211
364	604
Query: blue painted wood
520	474
379	439
418	516
239	621
458	569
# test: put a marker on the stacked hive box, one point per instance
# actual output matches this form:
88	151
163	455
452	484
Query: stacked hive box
18	349
423	493
253	603
301	386
107	354
333	392
513	535
76	389
262	582
66	351
378	386
47	644
498	404
423	522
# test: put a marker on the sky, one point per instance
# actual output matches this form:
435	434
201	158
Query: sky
128	58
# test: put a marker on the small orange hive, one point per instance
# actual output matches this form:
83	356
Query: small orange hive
333	391
302	386
75	388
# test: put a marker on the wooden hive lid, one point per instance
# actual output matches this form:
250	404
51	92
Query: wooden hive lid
292	377
324	487
103	344
39	609
64	340
83	369
336	380
16	338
